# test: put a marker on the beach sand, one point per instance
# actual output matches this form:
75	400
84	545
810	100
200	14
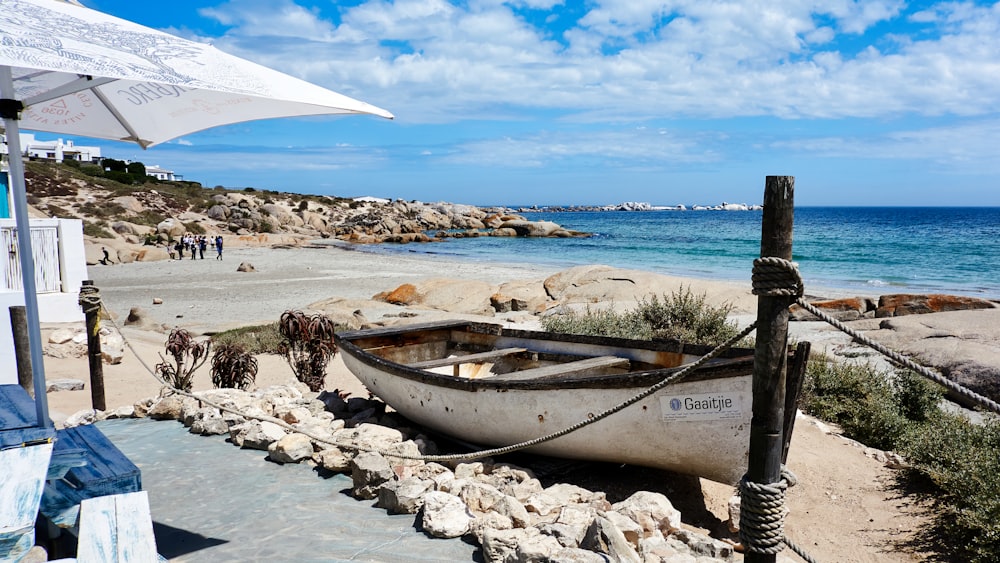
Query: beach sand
845	507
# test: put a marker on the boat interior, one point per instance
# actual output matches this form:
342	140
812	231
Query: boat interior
472	352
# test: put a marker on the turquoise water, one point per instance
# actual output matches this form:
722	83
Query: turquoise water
871	250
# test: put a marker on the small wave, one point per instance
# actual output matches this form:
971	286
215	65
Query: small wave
877	283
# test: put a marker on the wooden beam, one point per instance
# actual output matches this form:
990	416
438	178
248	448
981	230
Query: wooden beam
766	440
587	366
468	358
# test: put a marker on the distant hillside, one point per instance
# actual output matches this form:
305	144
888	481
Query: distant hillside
123	215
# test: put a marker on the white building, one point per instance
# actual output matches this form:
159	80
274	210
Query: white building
160	173
58	150
60	268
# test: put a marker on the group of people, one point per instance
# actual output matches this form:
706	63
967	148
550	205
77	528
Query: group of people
196	245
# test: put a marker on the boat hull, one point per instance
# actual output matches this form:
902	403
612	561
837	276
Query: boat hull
696	427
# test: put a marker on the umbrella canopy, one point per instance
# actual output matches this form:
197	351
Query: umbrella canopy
83	72
68	69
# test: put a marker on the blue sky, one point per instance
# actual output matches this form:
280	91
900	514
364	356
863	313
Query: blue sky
878	102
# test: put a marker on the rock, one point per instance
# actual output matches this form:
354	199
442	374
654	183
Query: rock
962	345
112	345
214	425
632	531
604	537
157	301
404	496
850	309
256	435
537	548
169	407
369	471
171	228
370	436
139	317
705	546
81	418
127	411
63	385
333	459
531	228
501	545
652	511
898	305
62	335
479	497
290	448
445	515
246	267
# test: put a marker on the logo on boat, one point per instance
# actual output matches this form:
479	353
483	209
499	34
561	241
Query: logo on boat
702	406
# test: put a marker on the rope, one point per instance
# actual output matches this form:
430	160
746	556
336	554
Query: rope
980	400
453	457
775	277
90	299
762	513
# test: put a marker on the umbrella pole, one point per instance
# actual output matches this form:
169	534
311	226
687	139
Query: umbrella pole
24	249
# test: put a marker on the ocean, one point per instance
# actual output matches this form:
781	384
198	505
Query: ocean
867	250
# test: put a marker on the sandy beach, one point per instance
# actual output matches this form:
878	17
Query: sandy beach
844	509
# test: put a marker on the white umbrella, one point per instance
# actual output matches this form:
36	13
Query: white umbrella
68	69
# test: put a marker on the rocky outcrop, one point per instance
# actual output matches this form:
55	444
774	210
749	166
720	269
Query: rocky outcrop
898	305
848	309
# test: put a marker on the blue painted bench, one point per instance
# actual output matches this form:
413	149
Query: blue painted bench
105	471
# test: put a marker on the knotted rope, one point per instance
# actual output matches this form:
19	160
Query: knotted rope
762	513
775	277
90	299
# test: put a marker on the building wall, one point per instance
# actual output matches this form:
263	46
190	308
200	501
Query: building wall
61	307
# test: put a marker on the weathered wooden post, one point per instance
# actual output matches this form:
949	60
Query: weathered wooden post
93	316
766	440
22	347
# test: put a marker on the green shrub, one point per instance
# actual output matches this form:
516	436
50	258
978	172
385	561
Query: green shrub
120	177
599	323
92	170
259	339
194	227
680	315
72	163
97	230
962	460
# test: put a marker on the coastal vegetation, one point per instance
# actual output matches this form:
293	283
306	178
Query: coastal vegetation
681	315
952	463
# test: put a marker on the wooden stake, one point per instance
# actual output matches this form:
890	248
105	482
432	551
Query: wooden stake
94	355
766	440
22	347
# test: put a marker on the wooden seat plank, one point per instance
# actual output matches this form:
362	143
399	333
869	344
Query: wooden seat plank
467	359
586	366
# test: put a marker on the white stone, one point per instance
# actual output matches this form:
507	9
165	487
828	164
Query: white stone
291	448
652	511
62	335
445	515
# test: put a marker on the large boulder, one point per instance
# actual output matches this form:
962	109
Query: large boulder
455	296
897	305
171	227
962	345
847	309
532	228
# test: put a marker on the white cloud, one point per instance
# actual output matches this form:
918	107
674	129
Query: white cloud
636	59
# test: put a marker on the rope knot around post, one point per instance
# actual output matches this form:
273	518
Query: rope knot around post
776	277
762	513
90	299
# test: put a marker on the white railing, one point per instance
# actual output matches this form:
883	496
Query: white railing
45	251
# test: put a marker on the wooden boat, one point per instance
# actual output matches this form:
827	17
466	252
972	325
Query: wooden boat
493	386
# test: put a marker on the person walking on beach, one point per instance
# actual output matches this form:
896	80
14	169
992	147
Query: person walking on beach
218	247
107	258
202	245
179	247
